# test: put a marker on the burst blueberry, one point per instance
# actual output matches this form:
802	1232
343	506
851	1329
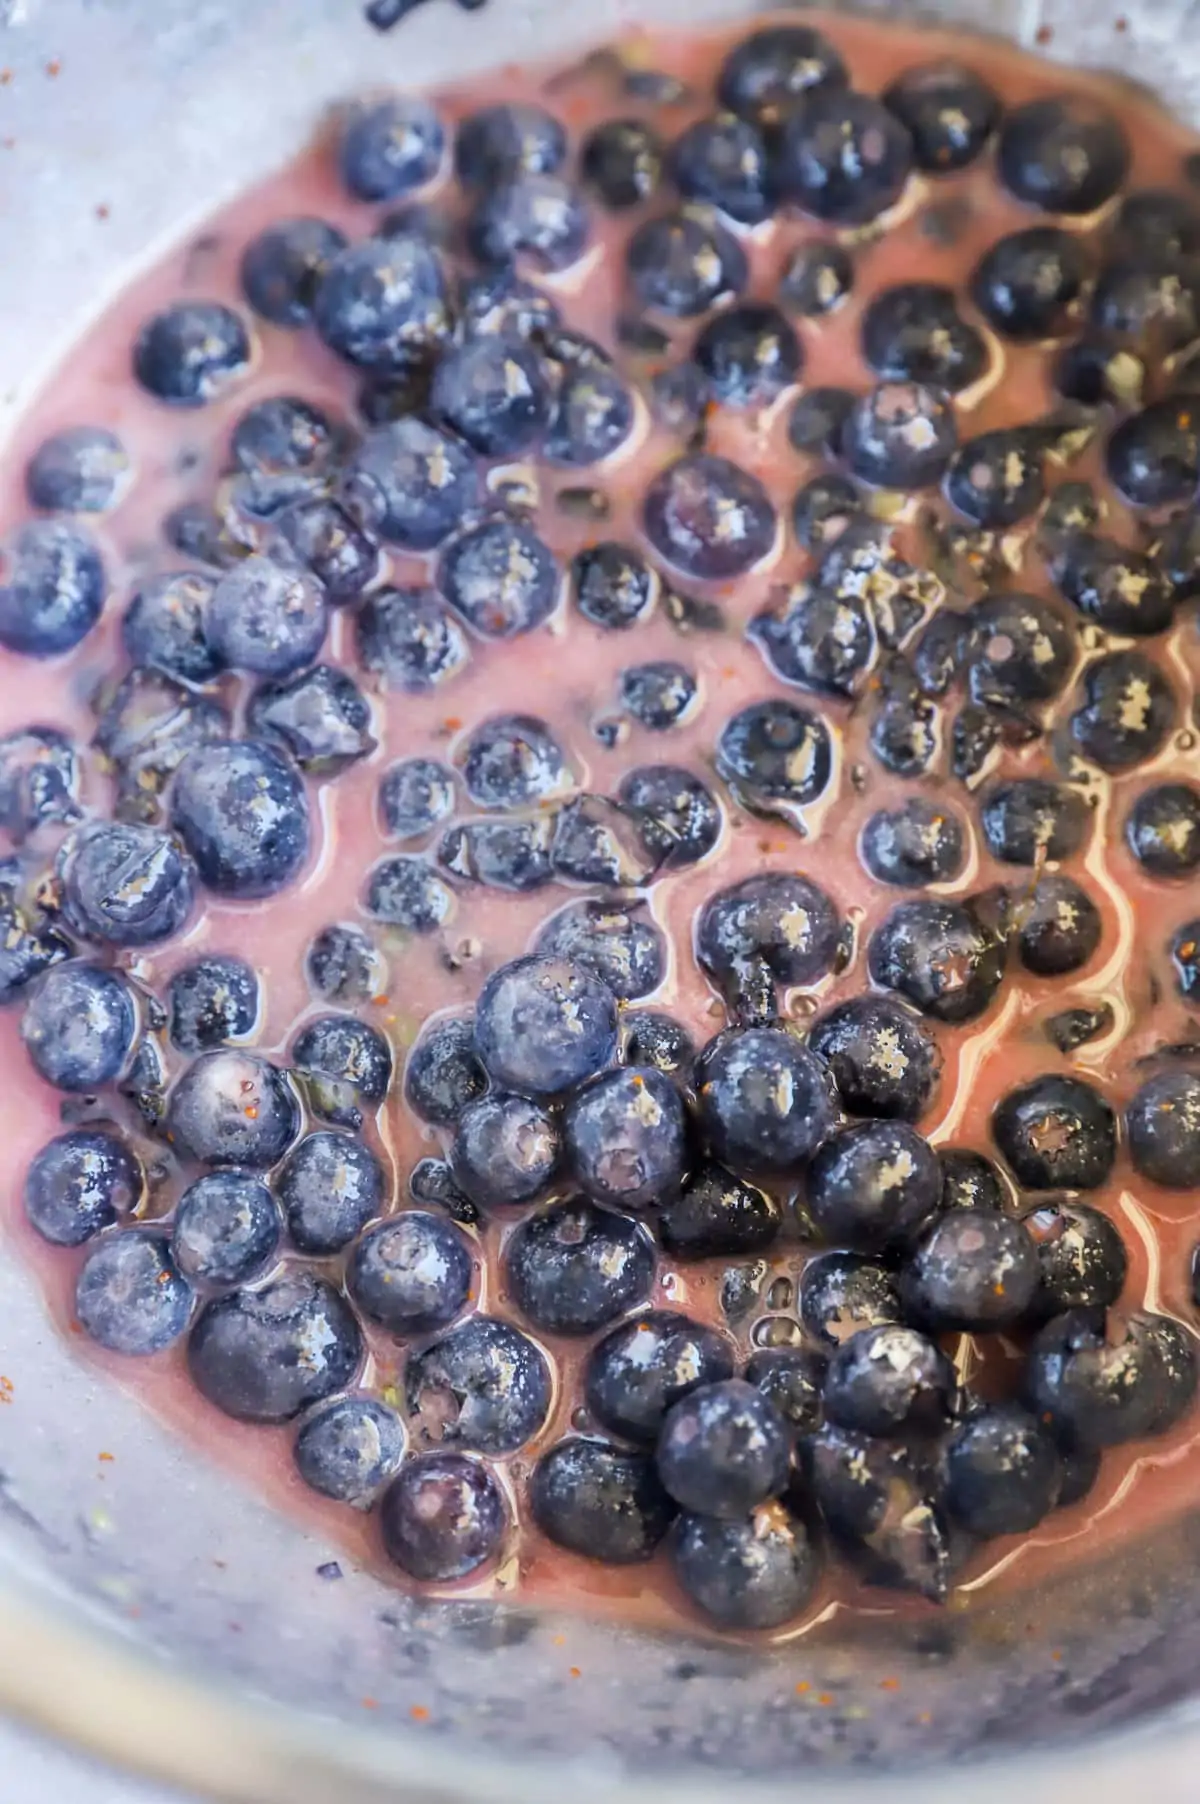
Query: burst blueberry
1103	1382
347	1064
411	1274
649	1037
815	425
682	263
1065	153
284	265
717	1215
226	1228
1056	1133
539	218
504	854
129	1296
265	1354
882	1508
659	695
678	816
80	1183
766	1102
166	626
211	1001
382	304
188	354
613	586
904	724
53	589
241	811
442	1517
342	964
818	640
79	1025
598	841
80	470
483	1386
1128	710
39	781
147	730
415	795
444	1072
320	716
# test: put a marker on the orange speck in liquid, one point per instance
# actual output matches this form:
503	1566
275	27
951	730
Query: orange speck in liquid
419	1713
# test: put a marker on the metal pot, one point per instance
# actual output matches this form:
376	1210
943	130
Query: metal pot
182	1629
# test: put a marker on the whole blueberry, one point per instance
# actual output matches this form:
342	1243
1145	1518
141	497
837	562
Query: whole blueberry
391	148
995	479
80	470
678	816
267	618
715	1215
974	1271
969	1181
346	1062
723	1449
1025	285
130	1296
1056	1133
948	110
1058	926
52	591
320	716
39	781
501	577
681	263
226	1228
283	266
505	1150
659	695
329	1186
484	1386
78	1027
501	141
147	730
900	435
616	942
211	1001
1003	1472
124	884
241	811
874	1185
412	1273
1093	371
415	794
79	1183
574	1268
593	416
749	354
544	1025
612	585
1073	1027
349	1448
709	518
505	854
408	640
792	1379
777	753
885	1062
625	1137
725	162
1153	457
842	1293
915	333
412	483
913	845
382	304
342	964
818	278
188	354
1127	712
1081	1257
232	1108
940	956
266	1354
1030	819
621	162
752	1574
494	395
1017	649
1163	1125
1162	830
819	641
641	1368
442	1517
882	1508
765	1101
775	929
843	156
603	1502
1079	1469
776	69
889	1380
284	448
1065	153
444	1071
166	626
540	218
499	303
1100	1381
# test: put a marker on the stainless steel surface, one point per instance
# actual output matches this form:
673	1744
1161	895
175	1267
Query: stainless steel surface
151	1612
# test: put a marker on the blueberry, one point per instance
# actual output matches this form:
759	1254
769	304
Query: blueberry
749	354
391	148
125	884
717	1215
659	695
949	112
723	1449
284	447
612	585
616	942
444	1072
904	725
1163	1125
334	548
505	1150
504	854
1122	590
678	815
575	1268
29	945
53	589
1162	830
145	1082
412	1273
1003	1472
80	470
1153	457
264	1355
1099	1382
682	263
651	1038
725	162
1095	372
774	752
412	483
975	733
766	1102
538	217
791	1378
820	641
1018	649
267	618
415	794
39	780
709	518
1149	305
778	928
431	1182
595	840
484	1386
752	1574
889	1380
146	731
189	353
1079	1469
512	761
995	479
501	577
915	844
498	303
593	416
842	1293
844	157
625	1137
900	435
382	304
166	626
1025	285
974	1271
1157	222
914	333
342	964
1081	1257
874	1185
330	1185
407	639
283	266
1128	711
641	1368
226	1228
129	1295
211	1001
621	162
501	141
1058	926
815	425
241	811
884	1061
775	70
818	278
1056	1133
1064	153
442	1517
494	395
680	402
349	1448
81	1182
940	956
346	1062
603	1502
320	716
79	1026
1073	1027
232	1108
969	1181
881	1508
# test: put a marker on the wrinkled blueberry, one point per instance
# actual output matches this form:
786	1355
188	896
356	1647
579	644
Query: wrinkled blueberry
442	1517
722	1449
241	811
1064	153
1153	457
603	1502
129	1295
889	1380
52	591
444	1072
81	1182
817	280
190	352
651	1038
226	1228
1056	1133
709	518
843	156
995	479
39	780
914	333
412	1273
336	549
511	761
1081	1257
382	303
842	1293
595	840
1018	649
612	585
618	943
775	69
539	217
1100	1381
342	964
406	637
1003	1472
1162	830
505	1150
125	884
879	1505
80	470
575	1268
405	892
391	148
484	1386
494	395
904	732
166	626
716	1214
504	854
752	1574
1163	1125
749	354
347	1062
792	1379
776	752
329	1186
415	794
874	1185
78	1027
940	956
658	695
900	435
913	845
283	267
641	1368
267	618
724	162
774	929
683	262
232	1108
501	577
506	140
678	816
766	1102
146	731
949	112
349	1448
884	1061
974	1271
1074	1027
264	1355
320	716
29	945
1127	713
625	1137
1026	283
211	1001
1057	925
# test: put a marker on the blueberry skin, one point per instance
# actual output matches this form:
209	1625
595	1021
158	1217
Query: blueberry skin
900	435
659	695
407	639
540	218
773	71
499	142
1058	926
54	589
79	1183
843	1293
283	267
775	929
593	416
544	1025
319	716
616	942
124	884
382	304
820	641
621	162
885	1062
484	1386
1122	590
725	162
776	752
442	1517
505	1150
1128	711
1162	830
431	1182
1082	1260
914	333
1025	285
513	761
612	585
39	781
791	1378
493	393
342	964
817	280
79	1026
212	1000
349	1448
641	1368
1030	819
974	1271
501	578
351	1063
749	354
1056	1133
188	354
844	157
625	1136
415	794
679	400
682	263
940	956
147	730
226	1228
329	1186
1101	1383
266	618
444	1072
1003	1472
166	626
391	148
81	470
1064	153
889	1380
574	1268
949	112
717	1215
1163	1126
232	1108
913	845
412	483
678	817
266	1354
1017	649
412	1273
882	1509
241	811
499	303
708	518
903	734
995	479
1153	457
603	1502
765	1101
753	1574
723	1449
129	1296
874	1185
